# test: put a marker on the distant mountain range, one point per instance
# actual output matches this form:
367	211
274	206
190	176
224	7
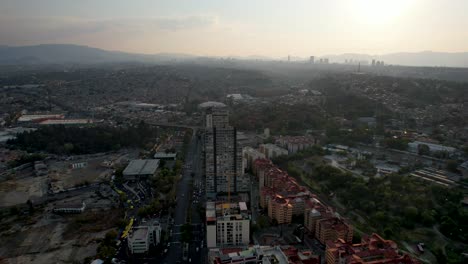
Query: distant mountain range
67	53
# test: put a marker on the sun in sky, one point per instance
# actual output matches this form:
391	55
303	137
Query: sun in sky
380	11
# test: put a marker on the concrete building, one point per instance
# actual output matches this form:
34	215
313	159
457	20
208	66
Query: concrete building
66	122
165	156
250	155
70	208
372	249
413	147
259	166
246	139
296	143
280	193
272	151
138	241
332	229
141	169
315	211
142	237
280	209
227	224
312	59
223	155
262	255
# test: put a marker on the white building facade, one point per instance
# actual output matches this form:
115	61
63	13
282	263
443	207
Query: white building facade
227	224
142	237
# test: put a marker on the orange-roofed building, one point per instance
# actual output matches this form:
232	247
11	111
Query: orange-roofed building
372	250
333	228
280	209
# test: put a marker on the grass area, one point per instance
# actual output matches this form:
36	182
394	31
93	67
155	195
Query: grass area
397	207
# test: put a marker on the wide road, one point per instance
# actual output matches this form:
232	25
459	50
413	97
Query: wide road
183	200
198	256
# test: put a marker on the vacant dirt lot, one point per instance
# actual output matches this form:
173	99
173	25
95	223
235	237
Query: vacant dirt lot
63	177
18	191
50	238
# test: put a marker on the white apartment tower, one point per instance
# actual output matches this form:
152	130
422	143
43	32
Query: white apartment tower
227	224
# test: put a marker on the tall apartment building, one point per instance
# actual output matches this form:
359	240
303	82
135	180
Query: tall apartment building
280	209
227	224
250	155
314	212
223	155
332	229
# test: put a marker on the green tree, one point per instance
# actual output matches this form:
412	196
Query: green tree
68	147
427	217
111	236
452	165
411	213
424	149
186	233
448	227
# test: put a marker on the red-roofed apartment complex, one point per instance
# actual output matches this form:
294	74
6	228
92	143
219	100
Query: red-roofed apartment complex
279	192
331	229
372	250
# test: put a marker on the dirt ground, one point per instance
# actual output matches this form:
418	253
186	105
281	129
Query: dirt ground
63	177
51	238
18	191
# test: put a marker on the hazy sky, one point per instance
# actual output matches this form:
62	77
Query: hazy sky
238	27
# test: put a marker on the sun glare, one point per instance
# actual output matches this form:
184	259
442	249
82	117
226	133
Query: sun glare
379	11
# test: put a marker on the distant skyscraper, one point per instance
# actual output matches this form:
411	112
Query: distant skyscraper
223	155
289	57
373	62
312	59
326	61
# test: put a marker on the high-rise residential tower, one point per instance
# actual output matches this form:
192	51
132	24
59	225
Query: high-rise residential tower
223	155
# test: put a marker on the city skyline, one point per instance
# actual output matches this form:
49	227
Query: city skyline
240	28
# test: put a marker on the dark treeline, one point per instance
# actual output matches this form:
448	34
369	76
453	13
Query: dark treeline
78	140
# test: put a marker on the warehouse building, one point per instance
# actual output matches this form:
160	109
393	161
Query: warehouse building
141	169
